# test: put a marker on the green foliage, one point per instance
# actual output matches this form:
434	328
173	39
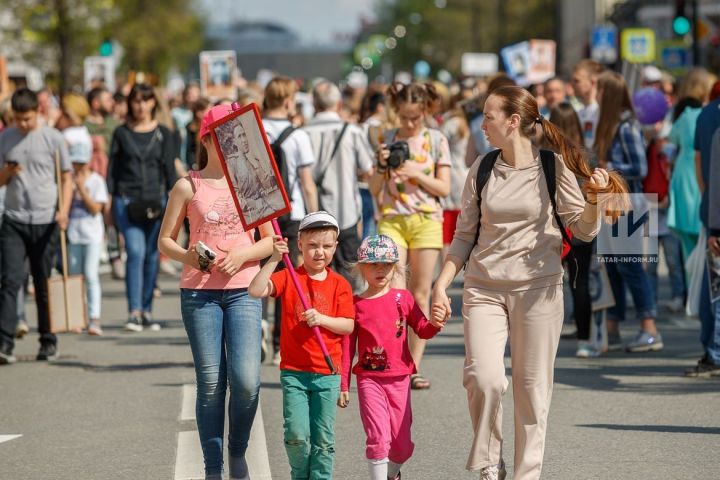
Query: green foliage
441	35
57	34
157	35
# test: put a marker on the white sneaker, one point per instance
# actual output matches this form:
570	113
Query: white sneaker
587	350
22	329
676	305
490	473
276	358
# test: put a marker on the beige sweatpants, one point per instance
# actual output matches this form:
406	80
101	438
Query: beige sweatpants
533	319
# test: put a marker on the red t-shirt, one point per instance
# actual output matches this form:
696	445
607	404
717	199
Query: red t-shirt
299	349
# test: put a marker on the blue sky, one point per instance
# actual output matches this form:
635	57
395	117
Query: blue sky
316	21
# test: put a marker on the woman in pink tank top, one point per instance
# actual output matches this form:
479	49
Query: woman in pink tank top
222	321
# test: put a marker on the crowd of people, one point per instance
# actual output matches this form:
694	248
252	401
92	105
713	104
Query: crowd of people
386	183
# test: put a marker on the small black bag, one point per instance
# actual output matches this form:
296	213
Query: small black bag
144	211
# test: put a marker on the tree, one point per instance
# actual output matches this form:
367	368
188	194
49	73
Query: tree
57	34
440	31
157	35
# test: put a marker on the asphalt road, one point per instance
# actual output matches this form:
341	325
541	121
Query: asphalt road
112	408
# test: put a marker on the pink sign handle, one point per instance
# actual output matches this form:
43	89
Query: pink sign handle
296	282
304	300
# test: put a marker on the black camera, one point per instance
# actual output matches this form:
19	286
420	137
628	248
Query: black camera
399	152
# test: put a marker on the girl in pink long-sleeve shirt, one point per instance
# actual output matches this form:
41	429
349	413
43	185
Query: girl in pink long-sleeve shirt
382	318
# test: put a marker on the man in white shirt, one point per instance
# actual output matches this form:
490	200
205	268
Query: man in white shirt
344	157
584	82
279	107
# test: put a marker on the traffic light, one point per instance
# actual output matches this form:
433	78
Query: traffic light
680	23
106	48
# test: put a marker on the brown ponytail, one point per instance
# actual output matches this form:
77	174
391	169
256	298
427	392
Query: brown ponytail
518	101
575	160
201	155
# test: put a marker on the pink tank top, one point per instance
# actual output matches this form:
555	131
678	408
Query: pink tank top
214	220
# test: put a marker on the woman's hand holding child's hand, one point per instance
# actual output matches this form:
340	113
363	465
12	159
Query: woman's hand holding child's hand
439	316
344	399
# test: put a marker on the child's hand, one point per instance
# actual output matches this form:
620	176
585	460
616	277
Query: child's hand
437	323
439	315
280	247
441	309
313	318
344	399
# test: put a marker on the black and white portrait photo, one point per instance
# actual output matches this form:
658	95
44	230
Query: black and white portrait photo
250	168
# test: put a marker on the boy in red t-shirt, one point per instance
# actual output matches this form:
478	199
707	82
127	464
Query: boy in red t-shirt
310	390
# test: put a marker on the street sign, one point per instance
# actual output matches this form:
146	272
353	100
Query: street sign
674	56
638	45
603	44
478	64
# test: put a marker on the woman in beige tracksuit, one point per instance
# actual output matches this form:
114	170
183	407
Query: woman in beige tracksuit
513	280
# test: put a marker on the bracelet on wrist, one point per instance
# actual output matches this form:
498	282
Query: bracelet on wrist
591	203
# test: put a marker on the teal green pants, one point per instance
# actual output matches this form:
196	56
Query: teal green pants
309	407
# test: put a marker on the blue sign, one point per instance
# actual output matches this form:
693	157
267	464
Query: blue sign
603	44
675	58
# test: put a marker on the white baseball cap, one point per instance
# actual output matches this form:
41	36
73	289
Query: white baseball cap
318	219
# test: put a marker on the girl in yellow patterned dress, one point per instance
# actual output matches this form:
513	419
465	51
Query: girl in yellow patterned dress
413	172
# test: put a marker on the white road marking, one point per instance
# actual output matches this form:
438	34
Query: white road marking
189	463
188	403
7	438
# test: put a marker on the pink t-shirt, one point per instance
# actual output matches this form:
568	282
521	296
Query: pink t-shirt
214	220
380	336
401	195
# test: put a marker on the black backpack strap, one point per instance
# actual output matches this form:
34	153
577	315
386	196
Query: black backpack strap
483	175
321	175
547	159
284	135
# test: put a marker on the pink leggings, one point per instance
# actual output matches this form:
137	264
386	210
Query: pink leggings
386	416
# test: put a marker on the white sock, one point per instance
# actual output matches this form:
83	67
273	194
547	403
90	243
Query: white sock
393	469
378	469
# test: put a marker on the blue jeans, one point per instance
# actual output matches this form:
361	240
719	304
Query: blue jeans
631	275
85	259
141	267
709	321
368	213
676	266
224	329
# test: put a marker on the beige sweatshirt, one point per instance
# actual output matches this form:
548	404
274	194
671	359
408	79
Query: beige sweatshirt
520	244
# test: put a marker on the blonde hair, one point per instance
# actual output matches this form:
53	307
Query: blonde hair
697	85
277	91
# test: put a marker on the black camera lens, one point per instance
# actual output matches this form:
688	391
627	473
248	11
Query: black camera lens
399	152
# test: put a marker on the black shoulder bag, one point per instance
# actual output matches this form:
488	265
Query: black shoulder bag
148	208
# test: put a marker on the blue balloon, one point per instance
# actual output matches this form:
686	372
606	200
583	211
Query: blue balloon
650	105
